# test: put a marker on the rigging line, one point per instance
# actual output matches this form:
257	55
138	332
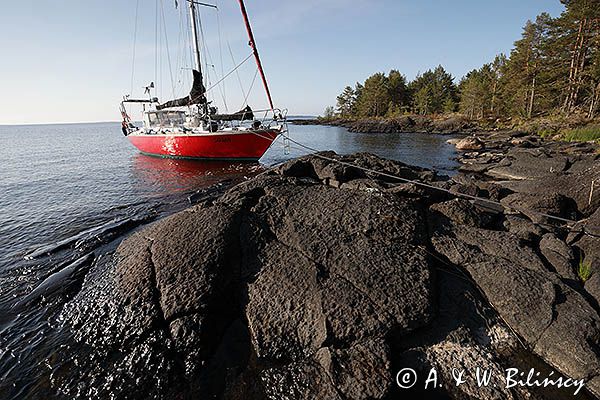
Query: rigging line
156	44
237	73
179	62
583	230
135	30
230	72
203	41
209	61
221	56
160	49
221	92
250	89
189	46
222	86
167	45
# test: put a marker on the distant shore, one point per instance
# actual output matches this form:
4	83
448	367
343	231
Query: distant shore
569	129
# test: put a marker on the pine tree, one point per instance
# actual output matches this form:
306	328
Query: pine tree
434	91
398	92
476	92
497	68
374	98
329	112
580	28
346	102
524	66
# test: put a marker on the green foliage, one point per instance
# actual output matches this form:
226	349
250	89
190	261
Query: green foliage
329	113
586	134
584	271
398	92
434	92
346	102
553	69
374	98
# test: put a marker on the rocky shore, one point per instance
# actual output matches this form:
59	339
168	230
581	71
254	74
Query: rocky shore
405	124
317	280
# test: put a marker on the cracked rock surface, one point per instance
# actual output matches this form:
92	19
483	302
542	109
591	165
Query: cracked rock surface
317	280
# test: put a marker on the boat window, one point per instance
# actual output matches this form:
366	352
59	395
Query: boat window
176	118
166	118
153	118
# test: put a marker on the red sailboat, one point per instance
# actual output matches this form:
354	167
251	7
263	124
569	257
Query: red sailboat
190	128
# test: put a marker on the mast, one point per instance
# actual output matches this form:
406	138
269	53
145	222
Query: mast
196	44
196	50
255	51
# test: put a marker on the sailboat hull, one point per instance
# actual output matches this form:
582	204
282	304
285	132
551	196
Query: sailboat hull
235	145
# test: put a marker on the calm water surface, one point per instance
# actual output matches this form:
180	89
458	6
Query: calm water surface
70	190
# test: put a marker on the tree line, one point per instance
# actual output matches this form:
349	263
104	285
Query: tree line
553	69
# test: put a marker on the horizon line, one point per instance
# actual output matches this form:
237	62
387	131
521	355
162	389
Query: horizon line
99	122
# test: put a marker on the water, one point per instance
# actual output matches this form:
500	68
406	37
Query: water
71	193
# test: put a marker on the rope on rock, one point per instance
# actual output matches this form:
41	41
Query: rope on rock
566	221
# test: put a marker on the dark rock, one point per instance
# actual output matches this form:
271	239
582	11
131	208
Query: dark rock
559	255
529	164
322	276
493	190
576	185
469	190
592	286
474	168
532	300
523	228
548	203
451	125
462	212
317	280
586	239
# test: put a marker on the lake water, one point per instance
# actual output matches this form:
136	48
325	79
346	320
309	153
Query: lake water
68	190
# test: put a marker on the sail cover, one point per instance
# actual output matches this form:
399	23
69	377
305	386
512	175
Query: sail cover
196	95
243	115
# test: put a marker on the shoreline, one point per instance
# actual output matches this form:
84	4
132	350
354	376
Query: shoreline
311	265
554	128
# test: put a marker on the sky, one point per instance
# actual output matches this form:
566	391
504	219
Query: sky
72	60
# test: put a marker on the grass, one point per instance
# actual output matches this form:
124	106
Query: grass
584	271
586	134
547	133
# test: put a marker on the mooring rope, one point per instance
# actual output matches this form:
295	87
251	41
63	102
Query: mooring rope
315	152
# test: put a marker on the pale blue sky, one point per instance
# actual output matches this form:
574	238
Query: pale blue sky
71	60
